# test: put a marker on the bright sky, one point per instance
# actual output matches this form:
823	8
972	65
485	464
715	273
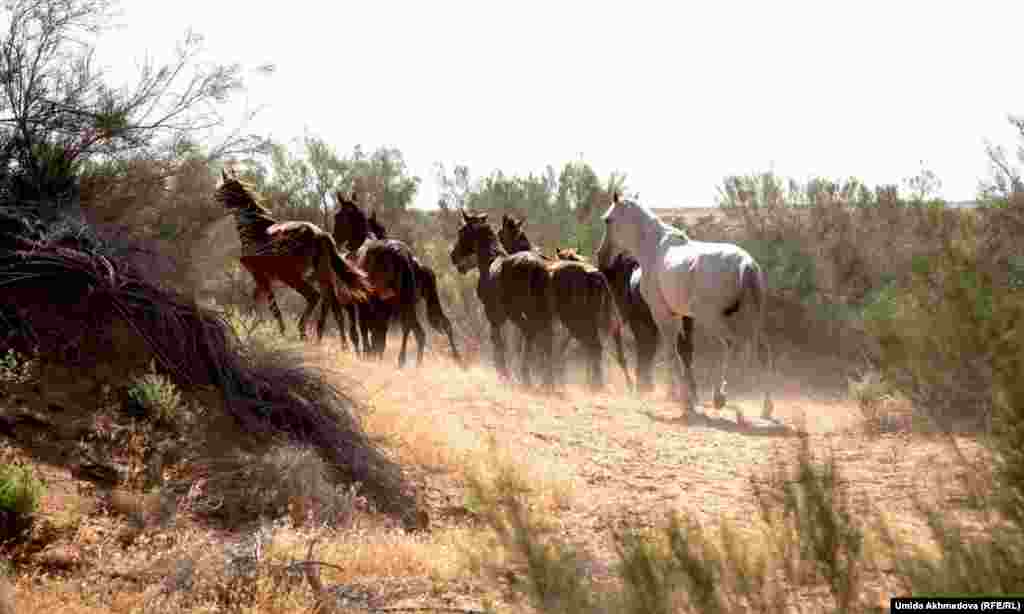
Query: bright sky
676	95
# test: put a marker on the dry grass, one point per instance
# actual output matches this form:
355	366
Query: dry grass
429	417
591	465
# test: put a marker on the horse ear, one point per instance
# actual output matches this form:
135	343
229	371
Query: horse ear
465	216
223	175
616	197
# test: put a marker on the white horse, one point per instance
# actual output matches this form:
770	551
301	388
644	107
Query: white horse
719	285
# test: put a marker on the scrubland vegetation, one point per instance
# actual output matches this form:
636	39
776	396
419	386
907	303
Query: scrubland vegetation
166	450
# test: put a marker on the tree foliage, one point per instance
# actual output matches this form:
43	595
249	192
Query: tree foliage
562	208
57	110
300	181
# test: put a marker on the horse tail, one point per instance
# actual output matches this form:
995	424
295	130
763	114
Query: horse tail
428	290
610	318
754	296
353	284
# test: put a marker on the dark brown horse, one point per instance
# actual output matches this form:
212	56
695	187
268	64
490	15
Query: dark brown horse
298	254
511	287
582	300
622	276
401	281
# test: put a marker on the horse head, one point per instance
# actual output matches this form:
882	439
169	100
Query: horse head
351	227
235	193
628	227
511	235
474	235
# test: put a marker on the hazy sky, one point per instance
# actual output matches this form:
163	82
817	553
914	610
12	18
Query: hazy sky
676	95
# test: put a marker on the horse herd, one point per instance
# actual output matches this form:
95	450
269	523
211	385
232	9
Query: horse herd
649	275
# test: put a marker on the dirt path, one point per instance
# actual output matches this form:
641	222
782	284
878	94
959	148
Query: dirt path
630	463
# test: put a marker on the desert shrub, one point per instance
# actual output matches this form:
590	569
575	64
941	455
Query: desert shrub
285	480
941	334
157	395
15	368
20	491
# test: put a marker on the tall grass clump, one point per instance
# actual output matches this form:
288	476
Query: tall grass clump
157	395
20	492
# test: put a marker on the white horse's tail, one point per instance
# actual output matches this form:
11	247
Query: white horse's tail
755	294
753	300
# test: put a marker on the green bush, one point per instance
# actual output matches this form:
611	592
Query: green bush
15	368
942	333
19	489
20	492
157	395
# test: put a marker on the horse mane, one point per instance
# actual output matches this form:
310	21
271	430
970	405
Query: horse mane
240	194
673	235
376	228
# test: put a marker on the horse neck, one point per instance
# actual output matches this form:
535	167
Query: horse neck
358	239
252	221
486	255
653	233
521	243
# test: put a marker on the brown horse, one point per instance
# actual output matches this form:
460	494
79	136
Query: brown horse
511	287
297	254
620	274
401	281
582	300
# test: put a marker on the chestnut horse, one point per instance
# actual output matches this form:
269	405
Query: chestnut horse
297	254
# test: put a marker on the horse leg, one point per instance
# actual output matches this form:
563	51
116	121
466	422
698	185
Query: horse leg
353	328
440	322
589	338
312	297
595	350
498	341
547	344
620	355
560	360
669	327
406	327
339	318
684	345
646	349
411	322
264	289
321	324
379	323
528	339
274	309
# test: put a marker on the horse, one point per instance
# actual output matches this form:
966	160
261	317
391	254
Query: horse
511	287
401	281
297	254
623	275
582	299
719	285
